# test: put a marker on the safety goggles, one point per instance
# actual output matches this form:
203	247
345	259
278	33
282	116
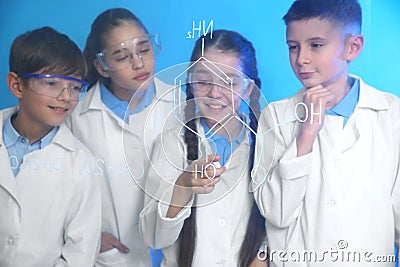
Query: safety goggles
203	81
53	85
137	50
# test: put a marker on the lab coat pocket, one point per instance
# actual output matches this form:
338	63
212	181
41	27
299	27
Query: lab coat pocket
111	258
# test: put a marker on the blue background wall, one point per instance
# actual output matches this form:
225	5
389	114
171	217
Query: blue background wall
258	20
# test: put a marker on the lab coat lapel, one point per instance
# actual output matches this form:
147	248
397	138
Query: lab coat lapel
93	102
338	138
7	179
351	135
369	99
236	160
236	164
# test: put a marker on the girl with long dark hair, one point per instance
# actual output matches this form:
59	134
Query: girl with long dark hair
199	208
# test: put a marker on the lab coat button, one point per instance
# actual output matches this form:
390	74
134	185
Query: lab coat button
221	222
330	160
331	203
135	148
221	263
10	241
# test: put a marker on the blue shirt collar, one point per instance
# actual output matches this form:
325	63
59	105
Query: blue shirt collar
146	100
221	145
11	136
347	105
48	138
117	106
120	107
210	134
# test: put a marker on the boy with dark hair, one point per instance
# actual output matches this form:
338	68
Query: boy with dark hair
50	207
327	174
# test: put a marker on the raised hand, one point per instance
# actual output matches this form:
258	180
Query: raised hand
199	178
317	99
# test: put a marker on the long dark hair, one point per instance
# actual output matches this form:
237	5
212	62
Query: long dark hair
101	27
226	41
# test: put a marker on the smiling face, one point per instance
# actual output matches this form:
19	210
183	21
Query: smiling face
219	102
318	52
38	112
140	68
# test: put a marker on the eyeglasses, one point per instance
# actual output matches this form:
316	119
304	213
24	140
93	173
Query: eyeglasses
204	81
53	85
123	55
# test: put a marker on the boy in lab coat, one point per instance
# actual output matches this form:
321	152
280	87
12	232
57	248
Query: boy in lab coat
327	166
50	210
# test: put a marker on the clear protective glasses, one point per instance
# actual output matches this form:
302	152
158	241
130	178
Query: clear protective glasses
203	81
123	55
54	85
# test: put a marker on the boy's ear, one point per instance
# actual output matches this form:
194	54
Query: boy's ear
100	69
15	84
355	45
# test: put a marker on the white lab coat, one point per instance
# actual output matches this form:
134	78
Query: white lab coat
344	196
222	215
114	144
51	211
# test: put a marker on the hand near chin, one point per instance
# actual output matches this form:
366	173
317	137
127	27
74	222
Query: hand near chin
317	99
